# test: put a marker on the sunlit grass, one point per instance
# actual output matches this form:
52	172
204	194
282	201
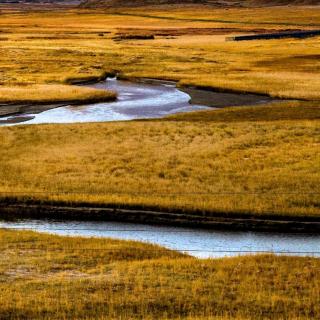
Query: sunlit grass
259	160
53	93
49	48
264	162
50	277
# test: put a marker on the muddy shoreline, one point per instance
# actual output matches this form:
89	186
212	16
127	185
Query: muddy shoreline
217	99
195	220
7	110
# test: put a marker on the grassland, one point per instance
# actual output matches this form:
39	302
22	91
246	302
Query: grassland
50	277
261	161
52	47
232	161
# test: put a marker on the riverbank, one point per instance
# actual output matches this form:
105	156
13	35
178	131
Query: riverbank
261	161
18	109
42	94
207	220
137	98
208	96
197	242
111	279
16	104
58	57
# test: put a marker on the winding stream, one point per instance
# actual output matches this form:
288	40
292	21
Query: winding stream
145	99
135	101
196	242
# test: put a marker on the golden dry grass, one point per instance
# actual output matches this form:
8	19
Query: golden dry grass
53	93
229	161
50	277
275	111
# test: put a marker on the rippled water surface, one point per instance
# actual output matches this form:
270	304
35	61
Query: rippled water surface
200	243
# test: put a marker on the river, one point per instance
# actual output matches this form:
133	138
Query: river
135	101
144	99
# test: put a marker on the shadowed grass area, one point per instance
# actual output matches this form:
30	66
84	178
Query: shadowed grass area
225	161
50	277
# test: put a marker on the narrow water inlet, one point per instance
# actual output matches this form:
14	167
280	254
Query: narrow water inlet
196	242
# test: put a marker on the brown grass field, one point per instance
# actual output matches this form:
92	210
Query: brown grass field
44	93
50	277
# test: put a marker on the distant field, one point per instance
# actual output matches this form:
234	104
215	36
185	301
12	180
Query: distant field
189	46
50	277
204	3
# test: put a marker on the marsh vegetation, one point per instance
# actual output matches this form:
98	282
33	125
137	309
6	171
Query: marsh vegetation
254	160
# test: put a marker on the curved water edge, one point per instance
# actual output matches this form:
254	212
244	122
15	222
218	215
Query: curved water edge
136	100
142	99
199	243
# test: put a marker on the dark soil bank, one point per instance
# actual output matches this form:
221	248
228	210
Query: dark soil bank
224	99
193	220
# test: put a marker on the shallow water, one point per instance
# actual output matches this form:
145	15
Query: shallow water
196	242
135	101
